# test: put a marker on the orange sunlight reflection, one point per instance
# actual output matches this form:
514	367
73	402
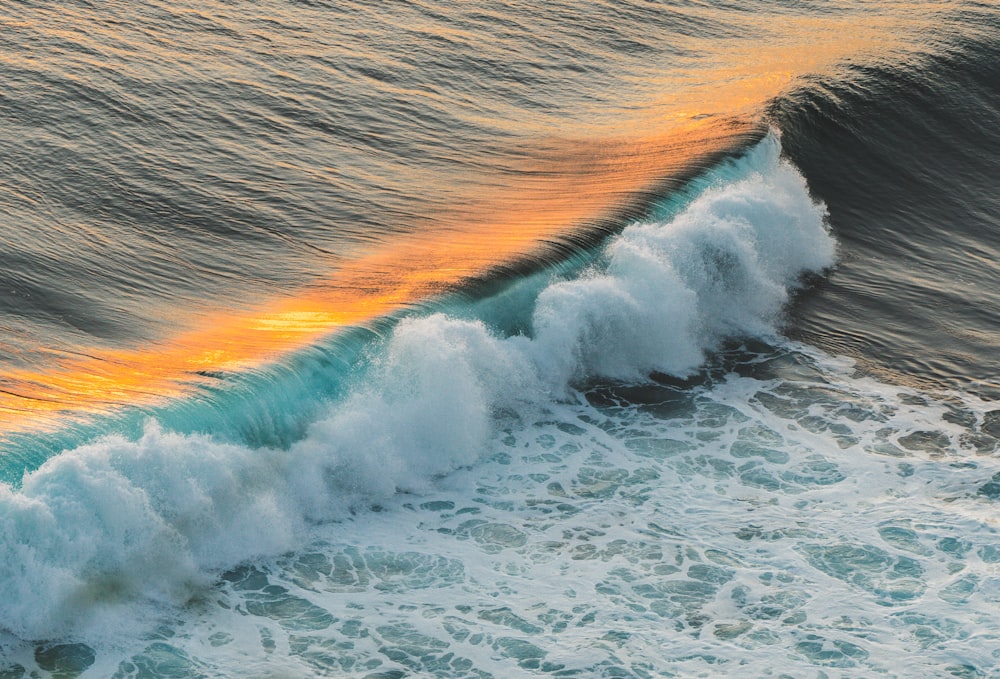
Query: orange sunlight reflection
485	234
571	184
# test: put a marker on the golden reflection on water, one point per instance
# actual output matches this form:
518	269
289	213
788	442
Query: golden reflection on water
480	236
571	179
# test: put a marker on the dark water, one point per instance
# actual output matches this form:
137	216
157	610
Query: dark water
492	339
908	165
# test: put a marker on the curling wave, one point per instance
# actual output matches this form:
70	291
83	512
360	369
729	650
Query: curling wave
159	517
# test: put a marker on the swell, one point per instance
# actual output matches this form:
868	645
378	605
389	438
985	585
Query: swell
210	382
906	157
175	170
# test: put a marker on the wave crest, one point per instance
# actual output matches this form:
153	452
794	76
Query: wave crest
154	518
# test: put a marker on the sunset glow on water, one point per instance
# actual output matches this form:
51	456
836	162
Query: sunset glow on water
555	180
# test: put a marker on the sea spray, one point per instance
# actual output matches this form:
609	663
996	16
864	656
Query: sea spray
158	518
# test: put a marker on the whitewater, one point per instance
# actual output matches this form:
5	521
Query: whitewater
616	466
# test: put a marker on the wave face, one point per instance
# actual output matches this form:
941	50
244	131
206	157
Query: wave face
465	340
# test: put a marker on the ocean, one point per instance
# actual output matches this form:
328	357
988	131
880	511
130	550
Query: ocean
482	339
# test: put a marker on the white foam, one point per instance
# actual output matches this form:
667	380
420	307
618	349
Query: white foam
158	518
672	291
781	525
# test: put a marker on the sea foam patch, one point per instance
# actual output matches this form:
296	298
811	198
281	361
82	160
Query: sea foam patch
795	519
789	518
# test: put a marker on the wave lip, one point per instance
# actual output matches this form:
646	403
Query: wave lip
156	518
673	290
